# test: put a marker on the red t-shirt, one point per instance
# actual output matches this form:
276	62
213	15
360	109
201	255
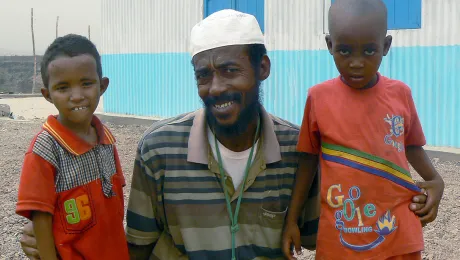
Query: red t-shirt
366	187
81	186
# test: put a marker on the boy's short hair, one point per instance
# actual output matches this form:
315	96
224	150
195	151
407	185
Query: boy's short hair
358	8
70	45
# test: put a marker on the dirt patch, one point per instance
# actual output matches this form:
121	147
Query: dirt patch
442	237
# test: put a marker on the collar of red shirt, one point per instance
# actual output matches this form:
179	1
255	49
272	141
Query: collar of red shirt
70	141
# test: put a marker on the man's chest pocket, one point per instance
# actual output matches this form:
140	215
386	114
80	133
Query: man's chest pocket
273	209
76	210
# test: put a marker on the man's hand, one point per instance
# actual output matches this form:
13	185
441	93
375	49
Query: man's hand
291	235
426	206
28	242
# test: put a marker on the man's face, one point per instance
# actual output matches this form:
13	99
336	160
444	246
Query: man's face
228	86
358	47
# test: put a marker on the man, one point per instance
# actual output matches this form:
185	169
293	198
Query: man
216	183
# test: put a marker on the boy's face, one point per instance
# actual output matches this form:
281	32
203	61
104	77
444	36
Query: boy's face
74	88
358	46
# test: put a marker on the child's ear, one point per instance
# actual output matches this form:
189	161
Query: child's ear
46	94
329	43
104	84
387	45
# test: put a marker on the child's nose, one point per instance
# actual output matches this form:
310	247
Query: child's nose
356	63
76	95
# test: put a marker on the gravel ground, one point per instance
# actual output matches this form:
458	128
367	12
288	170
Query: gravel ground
442	237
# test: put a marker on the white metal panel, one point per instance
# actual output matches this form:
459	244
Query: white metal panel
148	26
294	24
302	25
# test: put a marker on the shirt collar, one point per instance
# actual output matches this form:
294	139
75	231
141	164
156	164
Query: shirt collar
198	141
73	143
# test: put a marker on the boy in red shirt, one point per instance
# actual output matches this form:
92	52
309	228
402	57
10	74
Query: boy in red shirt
71	184
362	128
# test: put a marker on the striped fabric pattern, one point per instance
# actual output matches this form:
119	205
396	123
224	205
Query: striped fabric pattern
181	207
368	163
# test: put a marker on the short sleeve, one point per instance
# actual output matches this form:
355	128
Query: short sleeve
143	222
414	135
118	166
36	186
309	139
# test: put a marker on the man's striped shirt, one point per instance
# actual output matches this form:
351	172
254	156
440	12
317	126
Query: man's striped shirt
177	200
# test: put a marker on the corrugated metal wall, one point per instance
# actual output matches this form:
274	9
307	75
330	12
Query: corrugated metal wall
145	54
148	26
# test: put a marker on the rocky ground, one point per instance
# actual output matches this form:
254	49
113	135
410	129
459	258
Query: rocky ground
442	237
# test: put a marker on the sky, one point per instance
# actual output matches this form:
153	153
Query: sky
74	17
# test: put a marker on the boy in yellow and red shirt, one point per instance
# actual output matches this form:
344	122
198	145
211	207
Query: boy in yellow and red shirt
363	129
71	184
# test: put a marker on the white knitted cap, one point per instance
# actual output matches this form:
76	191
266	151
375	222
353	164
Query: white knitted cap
224	28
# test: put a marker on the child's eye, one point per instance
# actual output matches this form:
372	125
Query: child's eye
61	88
86	84
369	52
344	52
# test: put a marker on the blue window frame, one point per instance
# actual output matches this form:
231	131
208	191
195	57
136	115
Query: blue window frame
403	14
254	7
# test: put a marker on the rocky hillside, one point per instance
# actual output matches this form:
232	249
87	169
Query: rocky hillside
16	74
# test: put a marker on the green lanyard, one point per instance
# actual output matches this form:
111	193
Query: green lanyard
234	218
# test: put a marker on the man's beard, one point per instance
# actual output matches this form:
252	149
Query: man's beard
248	115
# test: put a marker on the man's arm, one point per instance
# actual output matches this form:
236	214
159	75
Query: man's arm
140	252
43	227
433	185
143	220
29	242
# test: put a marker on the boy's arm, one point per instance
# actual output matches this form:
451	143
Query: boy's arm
308	164
433	185
43	228
36	193
309	147
414	140
418	158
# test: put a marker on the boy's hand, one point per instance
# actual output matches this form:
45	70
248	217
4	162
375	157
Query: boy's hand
433	190
29	242
291	235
